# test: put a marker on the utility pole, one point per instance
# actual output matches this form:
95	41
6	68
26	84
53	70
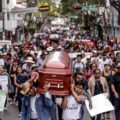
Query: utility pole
3	13
113	27
3	19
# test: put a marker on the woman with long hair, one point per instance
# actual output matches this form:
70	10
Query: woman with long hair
12	72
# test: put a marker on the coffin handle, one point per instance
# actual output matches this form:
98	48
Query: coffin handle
49	85
58	86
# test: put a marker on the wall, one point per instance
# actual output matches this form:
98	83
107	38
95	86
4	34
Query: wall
11	20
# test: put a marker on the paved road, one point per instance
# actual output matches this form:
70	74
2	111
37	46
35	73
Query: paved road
12	114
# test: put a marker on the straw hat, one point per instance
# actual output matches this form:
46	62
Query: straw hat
29	60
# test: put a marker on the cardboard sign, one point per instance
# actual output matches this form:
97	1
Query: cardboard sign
2	100
99	102
4	83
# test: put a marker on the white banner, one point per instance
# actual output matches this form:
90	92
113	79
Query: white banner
4	83
100	105
2	100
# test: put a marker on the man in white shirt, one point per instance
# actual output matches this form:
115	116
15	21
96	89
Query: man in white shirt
102	61
78	64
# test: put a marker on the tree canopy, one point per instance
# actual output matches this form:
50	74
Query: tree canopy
67	5
53	9
116	5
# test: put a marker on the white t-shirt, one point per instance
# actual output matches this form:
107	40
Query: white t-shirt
79	65
103	62
72	111
2	62
33	109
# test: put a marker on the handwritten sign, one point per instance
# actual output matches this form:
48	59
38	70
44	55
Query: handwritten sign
2	100
4	83
99	102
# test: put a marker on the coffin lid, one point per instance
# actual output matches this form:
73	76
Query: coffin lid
58	60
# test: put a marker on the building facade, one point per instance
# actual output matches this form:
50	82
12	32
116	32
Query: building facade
10	21
31	3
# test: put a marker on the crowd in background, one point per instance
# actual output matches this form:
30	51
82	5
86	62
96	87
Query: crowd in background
97	73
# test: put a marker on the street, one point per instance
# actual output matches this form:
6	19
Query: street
12	114
59	54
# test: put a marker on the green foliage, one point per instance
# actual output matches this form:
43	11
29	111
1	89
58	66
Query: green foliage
67	4
85	20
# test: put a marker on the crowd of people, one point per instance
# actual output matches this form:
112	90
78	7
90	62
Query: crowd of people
96	74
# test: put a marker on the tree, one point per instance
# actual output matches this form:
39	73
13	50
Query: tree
116	5
53	8
36	20
67	4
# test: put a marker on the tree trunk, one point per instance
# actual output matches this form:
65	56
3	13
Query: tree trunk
105	23
119	19
116	5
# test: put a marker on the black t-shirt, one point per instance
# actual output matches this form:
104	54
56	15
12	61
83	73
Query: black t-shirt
116	82
98	87
22	78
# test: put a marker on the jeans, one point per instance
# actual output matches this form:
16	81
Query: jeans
117	108
54	112
20	98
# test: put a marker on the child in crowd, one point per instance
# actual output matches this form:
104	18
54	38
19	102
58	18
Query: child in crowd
72	105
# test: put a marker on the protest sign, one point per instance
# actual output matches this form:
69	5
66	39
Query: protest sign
2	100
4	83
99	102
